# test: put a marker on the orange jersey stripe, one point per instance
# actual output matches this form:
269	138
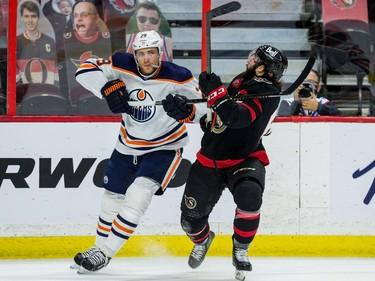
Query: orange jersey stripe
172	171
172	137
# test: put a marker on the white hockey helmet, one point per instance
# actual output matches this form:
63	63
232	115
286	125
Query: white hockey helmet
148	39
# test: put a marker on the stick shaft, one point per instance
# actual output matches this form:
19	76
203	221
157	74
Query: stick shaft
218	11
285	92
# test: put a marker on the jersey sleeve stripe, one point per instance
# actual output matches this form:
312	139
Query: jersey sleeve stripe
86	67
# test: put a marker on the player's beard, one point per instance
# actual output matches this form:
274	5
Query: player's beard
249	73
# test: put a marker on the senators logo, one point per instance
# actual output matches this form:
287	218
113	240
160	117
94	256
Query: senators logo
124	6
344	3
190	202
237	83
84	57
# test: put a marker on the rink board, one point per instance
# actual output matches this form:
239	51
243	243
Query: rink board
317	197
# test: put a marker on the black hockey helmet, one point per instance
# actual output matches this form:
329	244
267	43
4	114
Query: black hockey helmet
273	59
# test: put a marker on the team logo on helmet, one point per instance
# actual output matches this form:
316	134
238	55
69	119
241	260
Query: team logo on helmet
142	113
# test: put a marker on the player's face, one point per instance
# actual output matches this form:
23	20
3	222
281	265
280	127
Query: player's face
85	19
30	19
252	59
148	20
147	59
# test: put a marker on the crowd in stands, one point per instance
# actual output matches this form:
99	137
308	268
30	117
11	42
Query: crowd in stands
55	36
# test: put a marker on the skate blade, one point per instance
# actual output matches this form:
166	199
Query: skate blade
82	270
240	275
74	266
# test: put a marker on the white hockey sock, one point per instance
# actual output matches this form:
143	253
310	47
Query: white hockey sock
138	198
111	203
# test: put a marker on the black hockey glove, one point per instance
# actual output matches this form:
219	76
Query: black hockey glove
205	125
116	96
212	87
176	106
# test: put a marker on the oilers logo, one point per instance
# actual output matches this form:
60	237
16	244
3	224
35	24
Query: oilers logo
142	113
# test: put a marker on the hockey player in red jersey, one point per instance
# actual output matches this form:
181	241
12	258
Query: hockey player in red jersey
149	145
232	155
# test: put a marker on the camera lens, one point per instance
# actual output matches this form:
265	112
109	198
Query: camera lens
304	93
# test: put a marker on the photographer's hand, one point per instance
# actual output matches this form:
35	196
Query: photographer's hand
310	103
296	93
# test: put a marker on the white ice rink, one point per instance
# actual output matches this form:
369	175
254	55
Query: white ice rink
176	269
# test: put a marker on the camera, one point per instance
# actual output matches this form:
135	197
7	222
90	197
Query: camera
307	90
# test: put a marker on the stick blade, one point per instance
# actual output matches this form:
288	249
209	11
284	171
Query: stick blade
225	9
301	77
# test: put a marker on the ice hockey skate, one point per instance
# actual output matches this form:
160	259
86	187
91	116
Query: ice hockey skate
241	262
199	251
95	262
78	258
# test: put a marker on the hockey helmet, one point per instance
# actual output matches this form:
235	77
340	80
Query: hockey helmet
148	39
273	59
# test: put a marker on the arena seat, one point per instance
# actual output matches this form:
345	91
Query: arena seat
345	48
40	99
234	35
83	102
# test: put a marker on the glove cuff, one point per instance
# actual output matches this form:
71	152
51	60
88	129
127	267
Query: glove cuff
190	117
113	88
217	94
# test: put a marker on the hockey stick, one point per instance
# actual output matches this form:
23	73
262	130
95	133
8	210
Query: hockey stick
218	11
288	91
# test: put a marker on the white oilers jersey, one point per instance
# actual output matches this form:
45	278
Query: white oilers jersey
149	128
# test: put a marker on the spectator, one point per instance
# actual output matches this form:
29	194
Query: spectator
164	28
305	101
87	40
36	51
148	17
59	14
65	7
116	15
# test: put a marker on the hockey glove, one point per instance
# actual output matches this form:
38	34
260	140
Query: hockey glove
205	125
116	96
178	108
212	87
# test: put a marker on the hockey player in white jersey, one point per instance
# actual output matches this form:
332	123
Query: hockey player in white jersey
149	146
